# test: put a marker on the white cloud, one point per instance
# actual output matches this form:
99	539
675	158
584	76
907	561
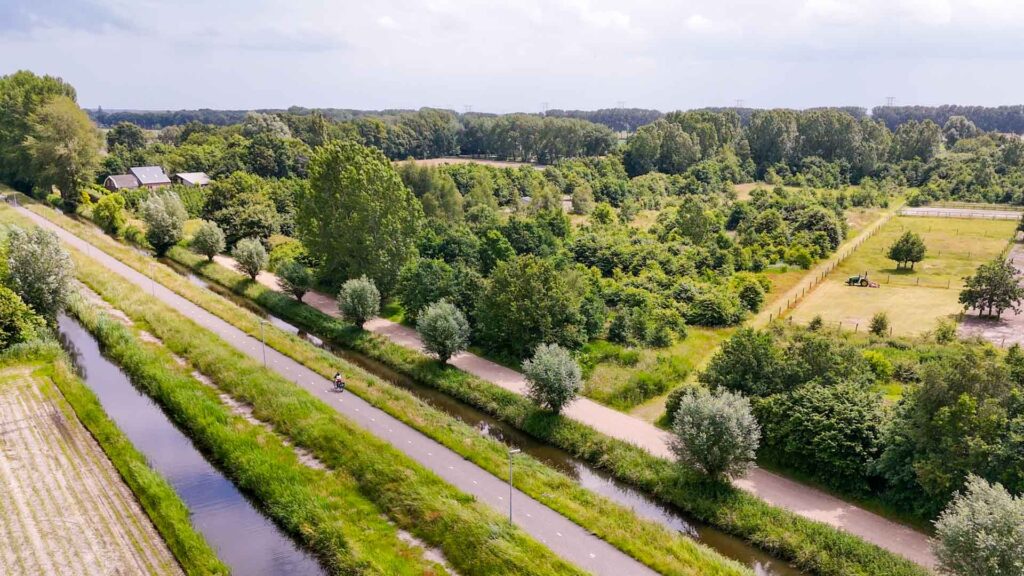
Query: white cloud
387	22
698	23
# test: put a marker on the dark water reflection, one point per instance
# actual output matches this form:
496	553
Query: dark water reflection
244	539
598	481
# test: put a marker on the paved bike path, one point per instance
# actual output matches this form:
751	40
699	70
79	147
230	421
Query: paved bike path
565	538
774	489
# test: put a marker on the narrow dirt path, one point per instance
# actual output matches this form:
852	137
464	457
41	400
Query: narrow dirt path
564	537
772	488
65	509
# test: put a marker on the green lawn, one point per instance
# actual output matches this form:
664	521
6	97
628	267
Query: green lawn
915	299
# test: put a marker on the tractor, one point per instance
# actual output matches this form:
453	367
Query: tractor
861	280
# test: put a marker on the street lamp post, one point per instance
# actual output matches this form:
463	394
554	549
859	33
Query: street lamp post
511	452
263	338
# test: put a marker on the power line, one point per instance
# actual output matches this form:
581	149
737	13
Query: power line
620	104
890	100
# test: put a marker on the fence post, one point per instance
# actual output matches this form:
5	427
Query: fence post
855	327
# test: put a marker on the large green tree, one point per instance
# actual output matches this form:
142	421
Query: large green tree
242	206
22	94
994	288
64	147
908	249
356	216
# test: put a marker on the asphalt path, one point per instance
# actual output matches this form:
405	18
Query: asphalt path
561	535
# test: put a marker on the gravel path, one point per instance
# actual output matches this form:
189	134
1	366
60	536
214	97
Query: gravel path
63	507
772	488
560	534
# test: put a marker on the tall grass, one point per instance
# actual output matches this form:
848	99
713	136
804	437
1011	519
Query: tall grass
161	503
474	539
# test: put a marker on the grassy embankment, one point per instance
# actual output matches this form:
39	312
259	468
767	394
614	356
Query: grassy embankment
322	509
813	546
161	503
915	300
649	542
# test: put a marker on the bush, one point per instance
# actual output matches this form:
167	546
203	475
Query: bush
675	398
981	532
880	366
208	240
250	257
295	278
879	324
553	378
165	218
287	250
906	372
18	323
443	329
715	433
109	214
359	300
40	271
816	323
832	433
945	332
715	307
799	256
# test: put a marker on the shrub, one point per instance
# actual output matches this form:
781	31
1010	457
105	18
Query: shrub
208	240
18	323
40	270
880	365
443	329
135	235
832	433
359	300
165	218
715	307
816	323
295	278
981	532
799	256
905	371
553	377
715	433
250	257
109	214
945	332
879	324
286	250
675	397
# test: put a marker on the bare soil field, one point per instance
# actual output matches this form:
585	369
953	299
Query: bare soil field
64	509
468	160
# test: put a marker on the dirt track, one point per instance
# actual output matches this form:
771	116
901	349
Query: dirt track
64	509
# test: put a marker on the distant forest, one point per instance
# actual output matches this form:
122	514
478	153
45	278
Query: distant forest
1009	119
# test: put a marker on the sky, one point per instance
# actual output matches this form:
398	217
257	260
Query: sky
520	55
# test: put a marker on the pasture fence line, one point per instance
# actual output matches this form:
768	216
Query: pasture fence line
925	213
976	206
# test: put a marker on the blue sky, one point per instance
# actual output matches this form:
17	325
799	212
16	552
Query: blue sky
520	55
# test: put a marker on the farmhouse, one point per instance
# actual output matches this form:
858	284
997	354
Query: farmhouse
117	182
192	178
144	176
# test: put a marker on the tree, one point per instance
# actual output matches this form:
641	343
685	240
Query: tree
359	300
957	128
356	215
749	362
165	218
879	324
443	329
241	205
18	323
715	433
22	94
208	240
908	249
832	433
423	281
250	257
109	214
127	135
295	278
64	146
553	377
494	248
993	288
981	532
528	301
40	271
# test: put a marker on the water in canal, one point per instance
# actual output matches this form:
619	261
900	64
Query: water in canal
248	542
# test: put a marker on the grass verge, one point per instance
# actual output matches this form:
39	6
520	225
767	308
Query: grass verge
812	546
162	504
